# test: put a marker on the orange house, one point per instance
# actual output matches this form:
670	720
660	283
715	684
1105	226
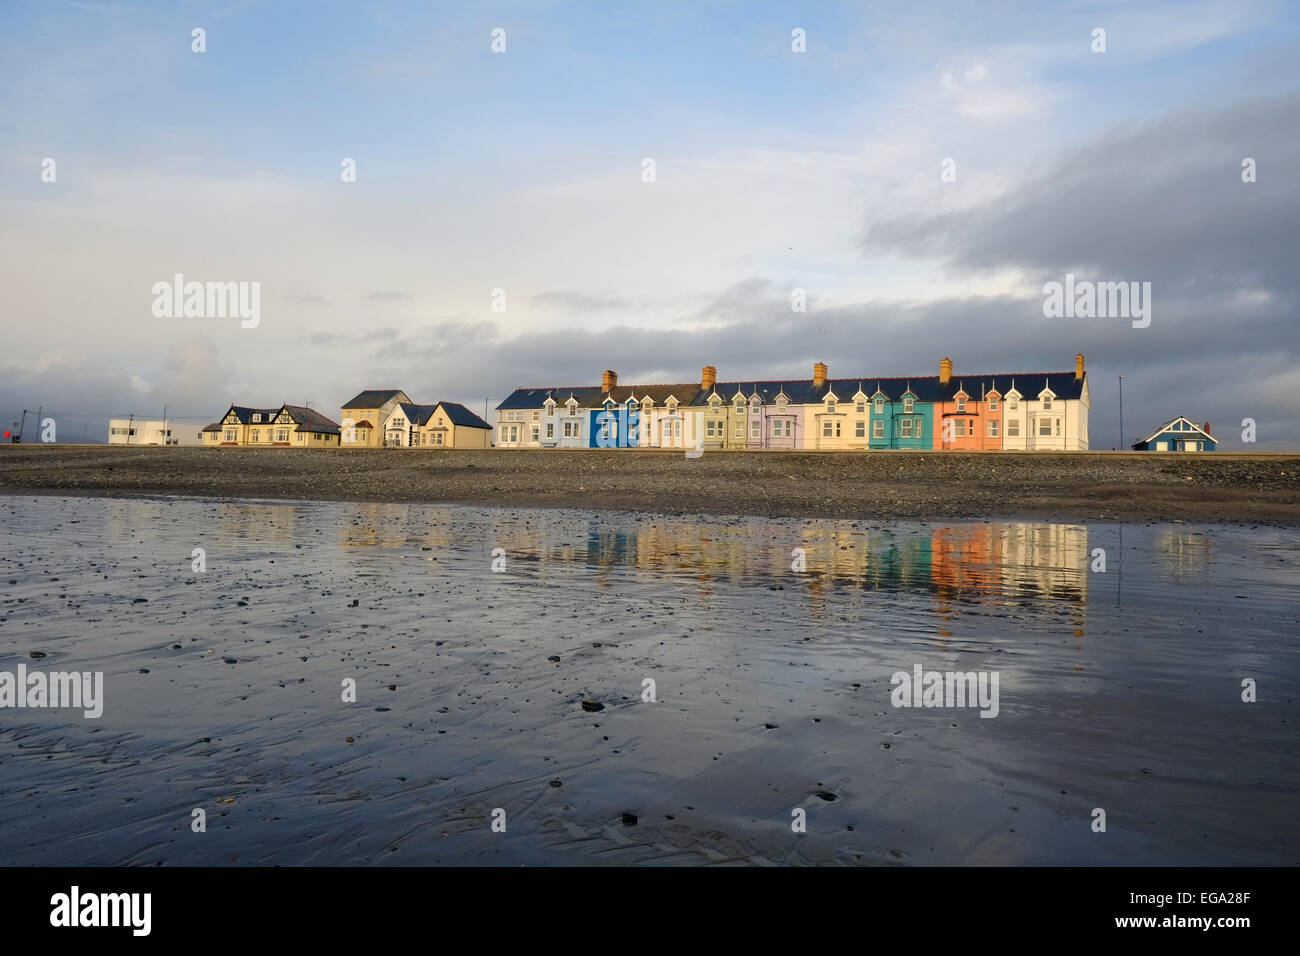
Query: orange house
969	420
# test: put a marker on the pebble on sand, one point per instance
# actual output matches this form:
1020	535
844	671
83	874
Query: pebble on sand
591	706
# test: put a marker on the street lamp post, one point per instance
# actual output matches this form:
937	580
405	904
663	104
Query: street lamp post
1121	413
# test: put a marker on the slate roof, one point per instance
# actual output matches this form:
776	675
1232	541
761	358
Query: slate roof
373	398
1195	428
926	388
460	415
416	414
245	416
310	420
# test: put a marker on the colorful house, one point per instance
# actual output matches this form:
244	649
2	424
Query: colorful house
1022	411
1179	435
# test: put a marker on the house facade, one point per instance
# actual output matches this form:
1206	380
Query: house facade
289	426
440	425
365	419
1021	411
1180	434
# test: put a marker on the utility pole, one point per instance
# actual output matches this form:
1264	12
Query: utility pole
164	428
130	427
40	415
1121	413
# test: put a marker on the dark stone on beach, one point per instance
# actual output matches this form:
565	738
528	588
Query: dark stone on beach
556	783
884	746
629	819
355	602
554	659
140	601
390	686
770	726
231	660
37	654
825	795
592	706
382	709
144	670
176	647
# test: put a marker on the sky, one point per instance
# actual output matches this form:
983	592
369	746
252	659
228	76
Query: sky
920	171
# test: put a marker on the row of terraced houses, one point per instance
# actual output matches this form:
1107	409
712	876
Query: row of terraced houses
1021	411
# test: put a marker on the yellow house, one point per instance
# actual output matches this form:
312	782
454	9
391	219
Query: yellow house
441	425
289	426
365	418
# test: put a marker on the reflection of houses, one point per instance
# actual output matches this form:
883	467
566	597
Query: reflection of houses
1181	552
1178	435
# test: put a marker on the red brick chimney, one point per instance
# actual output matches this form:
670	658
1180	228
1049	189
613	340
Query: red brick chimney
608	380
708	377
945	371
819	373
1206	429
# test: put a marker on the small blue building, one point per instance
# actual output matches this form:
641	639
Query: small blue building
1179	435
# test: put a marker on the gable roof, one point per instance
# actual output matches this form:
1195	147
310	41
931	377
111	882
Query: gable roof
374	398
1168	425
460	415
416	414
310	420
926	388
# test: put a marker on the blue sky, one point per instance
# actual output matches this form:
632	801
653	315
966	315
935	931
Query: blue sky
521	171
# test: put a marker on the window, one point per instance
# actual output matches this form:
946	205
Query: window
740	430
993	428
830	408
880	404
862	408
878	428
534	433
740	406
993	403
256	434
781	429
861	430
908	404
826	428
711	429
550	428
1013	428
550	411
754	429
535	416
257	417
282	434
1013	403
907	428
1047	403
1044	426
961	403
230	434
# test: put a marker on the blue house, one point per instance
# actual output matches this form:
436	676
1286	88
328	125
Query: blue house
1179	435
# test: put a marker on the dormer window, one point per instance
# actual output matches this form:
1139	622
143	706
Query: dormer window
830	406
714	401
550	409
572	406
257	417
1047	403
862	407
909	402
961	403
880	404
993	403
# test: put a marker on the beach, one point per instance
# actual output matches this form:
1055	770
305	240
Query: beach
1217	487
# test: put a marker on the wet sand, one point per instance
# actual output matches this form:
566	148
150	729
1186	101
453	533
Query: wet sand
1119	689
1214	487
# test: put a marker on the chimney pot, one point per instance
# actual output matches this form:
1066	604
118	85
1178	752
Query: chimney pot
819	373
1206	429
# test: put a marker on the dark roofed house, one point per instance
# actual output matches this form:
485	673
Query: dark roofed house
365	417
